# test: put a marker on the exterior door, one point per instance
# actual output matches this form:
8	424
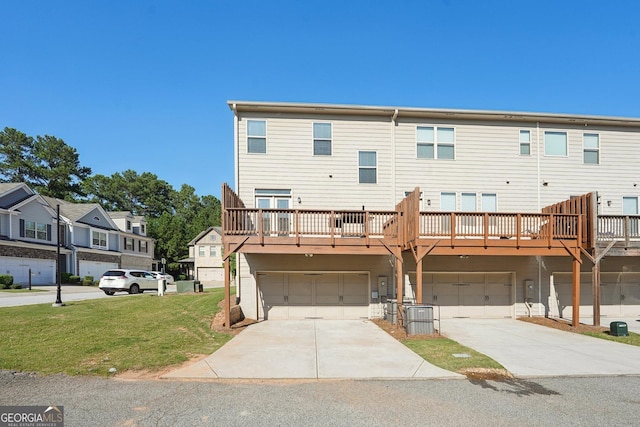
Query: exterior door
275	223
630	207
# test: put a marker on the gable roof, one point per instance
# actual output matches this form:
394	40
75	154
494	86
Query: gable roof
76	211
204	233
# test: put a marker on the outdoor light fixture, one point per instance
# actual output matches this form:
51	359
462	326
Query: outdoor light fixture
608	202
428	202
309	255
464	256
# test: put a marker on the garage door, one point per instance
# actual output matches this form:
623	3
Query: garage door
210	274
289	295
619	293
43	271
476	295
95	268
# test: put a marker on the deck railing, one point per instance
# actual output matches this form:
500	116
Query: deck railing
498	225
310	223
619	227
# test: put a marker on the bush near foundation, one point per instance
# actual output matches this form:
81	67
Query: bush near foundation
6	280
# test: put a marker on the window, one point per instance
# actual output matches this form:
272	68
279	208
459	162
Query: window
435	142
128	225
213	237
143	246
201	250
367	163
142	228
256	136
525	143
99	239
489	202
591	146
128	244
447	204
555	144
630	207
35	230
212	251
322	139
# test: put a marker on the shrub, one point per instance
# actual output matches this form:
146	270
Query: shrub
87	280
74	279
65	277
16	286
182	277
6	280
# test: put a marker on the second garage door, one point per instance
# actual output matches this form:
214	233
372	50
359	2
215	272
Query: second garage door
289	295
476	295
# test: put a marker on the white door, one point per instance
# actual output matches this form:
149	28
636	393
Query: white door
43	271
564	290
272	289
95	268
275	223
630	207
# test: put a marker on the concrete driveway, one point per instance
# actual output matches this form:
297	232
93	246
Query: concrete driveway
313	349
528	350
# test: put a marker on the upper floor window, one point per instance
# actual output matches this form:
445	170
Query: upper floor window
591	147
256	136
128	244
142	228
200	250
35	230
99	239
525	143
212	251
367	167
322	139
555	144
143	246
128	225
213	237
435	142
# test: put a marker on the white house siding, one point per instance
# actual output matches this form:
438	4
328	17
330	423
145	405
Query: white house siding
249	266
33	211
321	182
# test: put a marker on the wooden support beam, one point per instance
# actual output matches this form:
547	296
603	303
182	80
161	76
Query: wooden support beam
228	251
227	293
595	278
399	291
419	281
575	319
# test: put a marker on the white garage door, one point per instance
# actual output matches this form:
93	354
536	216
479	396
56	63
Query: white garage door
95	268
619	293
288	295
210	274
43	271
476	295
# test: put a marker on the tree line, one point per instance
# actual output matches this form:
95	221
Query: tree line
52	168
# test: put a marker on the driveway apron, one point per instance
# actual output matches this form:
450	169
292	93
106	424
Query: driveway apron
313	349
528	350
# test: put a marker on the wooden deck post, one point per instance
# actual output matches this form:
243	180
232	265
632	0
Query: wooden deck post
399	293
419	281
596	292
575	320
227	290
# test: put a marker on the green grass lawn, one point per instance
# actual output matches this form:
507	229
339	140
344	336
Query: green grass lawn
127	333
632	339
23	290
441	352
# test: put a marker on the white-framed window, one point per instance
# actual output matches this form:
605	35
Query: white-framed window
128	244
257	136
142	228
525	143
555	144
128	225
35	230
99	239
213	237
201	250
489	202
434	142
591	148
212	251
322	134
143	246
367	167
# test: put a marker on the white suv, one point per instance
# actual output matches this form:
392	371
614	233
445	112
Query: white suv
132	281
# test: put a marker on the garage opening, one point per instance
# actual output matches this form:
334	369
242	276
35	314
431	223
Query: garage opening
313	295
469	294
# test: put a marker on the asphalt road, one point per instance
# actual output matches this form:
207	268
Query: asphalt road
88	401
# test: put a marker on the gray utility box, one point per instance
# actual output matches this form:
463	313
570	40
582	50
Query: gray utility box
618	329
418	319
391	313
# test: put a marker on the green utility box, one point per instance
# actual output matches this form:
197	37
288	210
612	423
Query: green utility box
618	329
183	286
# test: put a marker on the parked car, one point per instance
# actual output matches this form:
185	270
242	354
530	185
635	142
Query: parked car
132	281
160	275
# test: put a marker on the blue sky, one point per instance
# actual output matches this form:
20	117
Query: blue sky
143	85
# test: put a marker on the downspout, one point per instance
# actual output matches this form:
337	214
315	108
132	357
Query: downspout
393	154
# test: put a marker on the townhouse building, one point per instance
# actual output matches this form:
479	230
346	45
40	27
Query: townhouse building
339	208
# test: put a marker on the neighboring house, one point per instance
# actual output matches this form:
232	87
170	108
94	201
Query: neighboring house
326	222
29	236
135	247
90	241
205	257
